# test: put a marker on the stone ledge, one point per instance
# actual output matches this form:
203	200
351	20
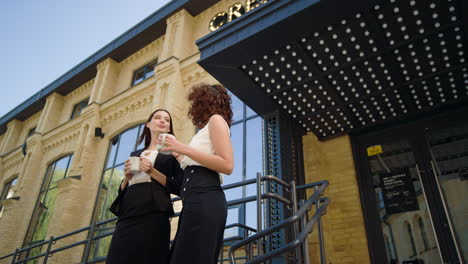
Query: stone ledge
76	177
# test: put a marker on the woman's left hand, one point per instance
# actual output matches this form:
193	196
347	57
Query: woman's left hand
174	145
146	166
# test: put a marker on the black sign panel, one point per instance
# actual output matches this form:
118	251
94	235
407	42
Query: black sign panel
398	193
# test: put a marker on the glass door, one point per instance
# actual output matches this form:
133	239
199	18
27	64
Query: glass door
414	187
448	158
401	203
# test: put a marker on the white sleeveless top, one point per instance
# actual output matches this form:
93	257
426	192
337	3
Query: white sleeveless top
141	176
201	142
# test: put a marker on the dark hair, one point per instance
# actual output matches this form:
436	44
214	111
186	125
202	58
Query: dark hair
146	134
207	100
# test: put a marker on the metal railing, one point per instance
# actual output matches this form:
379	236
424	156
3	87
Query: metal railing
299	216
260	235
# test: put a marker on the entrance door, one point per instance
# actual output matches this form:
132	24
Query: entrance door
414	187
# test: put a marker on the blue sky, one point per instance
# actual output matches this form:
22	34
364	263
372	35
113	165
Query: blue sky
41	40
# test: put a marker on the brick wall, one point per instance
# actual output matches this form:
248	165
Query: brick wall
343	224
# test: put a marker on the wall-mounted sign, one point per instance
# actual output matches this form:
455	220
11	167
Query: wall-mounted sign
398	193
234	12
374	150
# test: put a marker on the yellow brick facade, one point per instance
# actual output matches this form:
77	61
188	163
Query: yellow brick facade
115	105
343	224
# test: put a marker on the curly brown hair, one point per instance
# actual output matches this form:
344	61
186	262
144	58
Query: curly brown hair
207	100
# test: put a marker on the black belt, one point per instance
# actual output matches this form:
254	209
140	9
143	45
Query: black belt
200	179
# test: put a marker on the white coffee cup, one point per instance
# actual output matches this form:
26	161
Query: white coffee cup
134	165
162	143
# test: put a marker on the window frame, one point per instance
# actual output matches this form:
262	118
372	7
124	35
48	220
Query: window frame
115	140
145	70
45	188
31	131
243	120
78	108
6	190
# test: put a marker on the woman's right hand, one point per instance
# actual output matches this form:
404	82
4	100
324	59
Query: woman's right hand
127	173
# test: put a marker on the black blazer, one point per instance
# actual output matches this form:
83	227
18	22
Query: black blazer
143	198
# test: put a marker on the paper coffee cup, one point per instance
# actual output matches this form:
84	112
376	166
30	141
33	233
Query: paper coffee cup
162	143
134	165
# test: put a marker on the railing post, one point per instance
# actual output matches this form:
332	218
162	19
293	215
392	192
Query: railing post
14	256
49	246
294	211
320	231
89	242
259	212
305	244
248	247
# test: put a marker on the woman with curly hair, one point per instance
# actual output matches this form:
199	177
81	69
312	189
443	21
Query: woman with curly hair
209	155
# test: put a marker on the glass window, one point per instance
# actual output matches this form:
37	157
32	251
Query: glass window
78	108
31	132
232	218
7	192
237	174
45	204
237	108
119	150
247	142
144	72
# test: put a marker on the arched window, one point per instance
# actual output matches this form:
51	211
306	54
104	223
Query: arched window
119	150
411	238
45	204
7	192
423	233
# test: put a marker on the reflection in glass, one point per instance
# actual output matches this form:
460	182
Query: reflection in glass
111	154
397	223
7	192
449	150
126	144
45	204
254	148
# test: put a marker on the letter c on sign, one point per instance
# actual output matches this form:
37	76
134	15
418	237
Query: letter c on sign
219	20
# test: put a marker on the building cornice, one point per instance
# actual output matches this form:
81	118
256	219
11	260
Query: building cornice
126	109
13	159
65	138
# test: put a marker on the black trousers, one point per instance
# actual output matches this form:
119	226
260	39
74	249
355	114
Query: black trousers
141	239
201	224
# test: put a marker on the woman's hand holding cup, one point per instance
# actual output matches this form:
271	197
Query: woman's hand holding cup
173	145
128	174
162	146
146	166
